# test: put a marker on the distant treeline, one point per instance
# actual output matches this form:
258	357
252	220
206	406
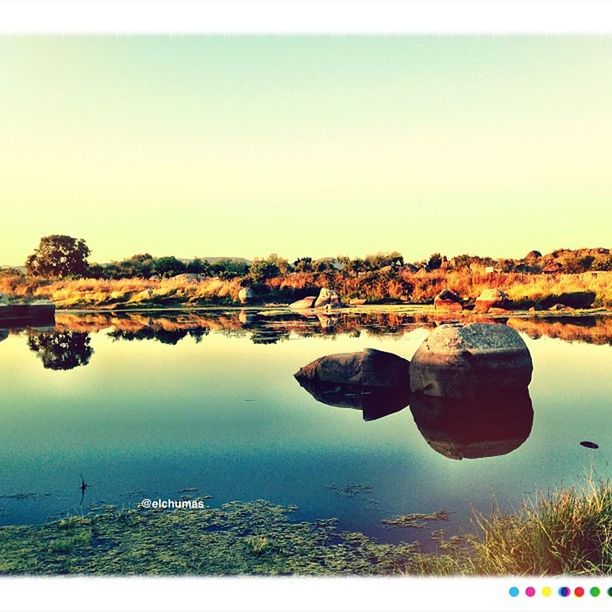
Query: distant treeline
65	257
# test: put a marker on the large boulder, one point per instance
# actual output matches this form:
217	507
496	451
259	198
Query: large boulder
469	428
491	298
327	299
448	301
369	368
374	402
304	304
464	360
246	295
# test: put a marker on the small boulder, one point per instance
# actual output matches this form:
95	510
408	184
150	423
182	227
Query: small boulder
448	301
491	298
465	360
327	299
371	367
304	304
245	295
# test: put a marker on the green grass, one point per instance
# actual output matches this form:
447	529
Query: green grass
566	532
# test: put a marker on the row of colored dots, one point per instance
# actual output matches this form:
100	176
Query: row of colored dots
563	591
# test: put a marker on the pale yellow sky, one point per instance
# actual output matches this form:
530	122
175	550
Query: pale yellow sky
305	146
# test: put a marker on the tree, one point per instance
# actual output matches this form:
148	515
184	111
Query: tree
303	264
59	256
435	261
262	270
169	266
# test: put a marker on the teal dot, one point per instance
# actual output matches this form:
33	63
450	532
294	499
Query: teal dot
610	591
513	591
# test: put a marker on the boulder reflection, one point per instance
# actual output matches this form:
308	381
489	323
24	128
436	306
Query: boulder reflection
62	350
485	426
374	402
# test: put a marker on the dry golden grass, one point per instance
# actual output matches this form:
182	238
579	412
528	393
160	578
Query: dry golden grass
524	290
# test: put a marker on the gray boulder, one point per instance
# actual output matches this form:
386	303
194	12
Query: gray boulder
327	299
245	295
369	368
463	360
305	304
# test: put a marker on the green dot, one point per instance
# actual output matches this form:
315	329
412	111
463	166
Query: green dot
595	591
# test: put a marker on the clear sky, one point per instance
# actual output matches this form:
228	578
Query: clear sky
305	146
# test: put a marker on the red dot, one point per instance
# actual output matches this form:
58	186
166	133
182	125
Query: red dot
578	591
530	591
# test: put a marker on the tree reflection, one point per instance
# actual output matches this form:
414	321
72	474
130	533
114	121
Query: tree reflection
62	350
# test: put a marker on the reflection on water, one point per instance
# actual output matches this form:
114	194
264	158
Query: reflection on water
485	426
591	329
270	327
62	350
374	402
206	400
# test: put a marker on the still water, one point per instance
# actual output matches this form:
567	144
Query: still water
146	406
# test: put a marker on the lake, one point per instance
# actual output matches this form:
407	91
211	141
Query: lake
151	405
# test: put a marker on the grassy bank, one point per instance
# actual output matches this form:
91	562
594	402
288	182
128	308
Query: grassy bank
524	290
567	532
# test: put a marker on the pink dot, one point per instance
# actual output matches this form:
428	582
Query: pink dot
530	591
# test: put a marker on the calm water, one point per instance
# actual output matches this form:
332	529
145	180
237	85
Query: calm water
148	406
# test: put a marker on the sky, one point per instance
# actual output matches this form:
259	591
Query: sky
305	146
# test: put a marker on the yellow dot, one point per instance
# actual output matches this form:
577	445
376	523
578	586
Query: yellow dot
546	591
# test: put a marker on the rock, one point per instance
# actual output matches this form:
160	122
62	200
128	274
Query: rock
573	299
245	295
491	298
370	368
448	301
374	402
327	299
464	360
488	425
589	444
304	304
357	301
497	311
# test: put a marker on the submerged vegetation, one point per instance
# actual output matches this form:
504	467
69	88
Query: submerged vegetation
566	532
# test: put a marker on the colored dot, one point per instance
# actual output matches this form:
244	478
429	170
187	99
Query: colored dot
610	591
546	591
530	591
513	592
578	591
564	591
595	591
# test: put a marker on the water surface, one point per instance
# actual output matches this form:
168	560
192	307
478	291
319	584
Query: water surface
147	406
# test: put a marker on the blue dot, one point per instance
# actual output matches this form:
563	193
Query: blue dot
564	591
514	591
